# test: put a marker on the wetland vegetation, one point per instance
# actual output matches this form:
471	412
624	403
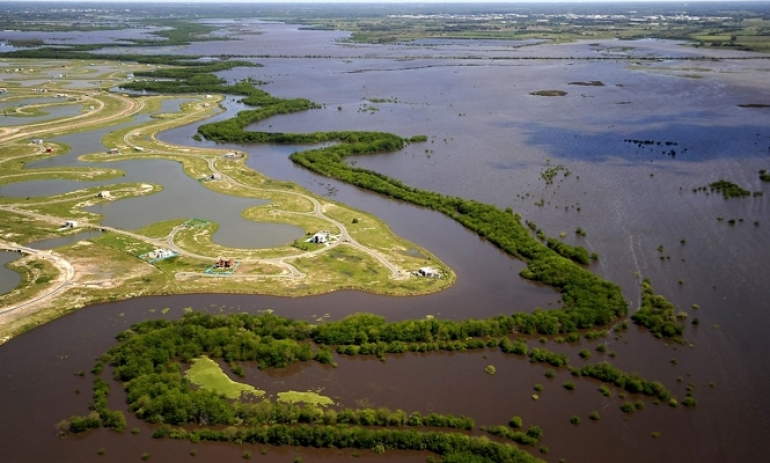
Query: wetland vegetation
170	376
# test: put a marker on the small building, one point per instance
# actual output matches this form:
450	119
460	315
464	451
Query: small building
231	155
160	254
138	148
113	151
49	150
321	237
71	224
37	141
429	272
104	194
2	90
225	263
215	176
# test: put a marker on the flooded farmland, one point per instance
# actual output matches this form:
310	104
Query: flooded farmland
489	139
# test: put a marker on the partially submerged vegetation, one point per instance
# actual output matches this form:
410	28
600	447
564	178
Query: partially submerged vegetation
158	362
727	189
150	362
657	314
548	93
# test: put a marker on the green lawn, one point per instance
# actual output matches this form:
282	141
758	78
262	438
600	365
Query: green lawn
207	374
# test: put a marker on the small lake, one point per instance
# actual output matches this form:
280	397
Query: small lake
8	278
51	113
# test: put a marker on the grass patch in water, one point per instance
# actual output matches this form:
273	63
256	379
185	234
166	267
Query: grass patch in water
207	374
309	397
548	93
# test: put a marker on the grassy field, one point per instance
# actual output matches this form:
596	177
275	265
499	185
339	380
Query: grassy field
206	374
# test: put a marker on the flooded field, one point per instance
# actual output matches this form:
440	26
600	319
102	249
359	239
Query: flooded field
490	140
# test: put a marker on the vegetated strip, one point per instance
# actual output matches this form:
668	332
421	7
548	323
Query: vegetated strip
657	314
588	300
149	362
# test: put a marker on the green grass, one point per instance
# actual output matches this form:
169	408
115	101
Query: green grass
207	374
159	229
309	397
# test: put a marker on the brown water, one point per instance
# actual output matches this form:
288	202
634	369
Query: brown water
490	141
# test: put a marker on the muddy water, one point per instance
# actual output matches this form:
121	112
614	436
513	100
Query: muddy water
491	140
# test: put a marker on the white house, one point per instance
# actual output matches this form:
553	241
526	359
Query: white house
216	176
321	237
429	272
113	151
160	254
71	224
138	148
104	194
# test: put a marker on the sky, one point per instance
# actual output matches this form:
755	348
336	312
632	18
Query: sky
392	1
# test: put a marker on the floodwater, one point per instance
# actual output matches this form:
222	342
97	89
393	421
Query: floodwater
490	140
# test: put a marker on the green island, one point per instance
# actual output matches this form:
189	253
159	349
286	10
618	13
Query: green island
727	189
169	371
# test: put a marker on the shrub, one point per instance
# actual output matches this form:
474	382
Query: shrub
575	420
594	415
627	407
569	385
516	422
